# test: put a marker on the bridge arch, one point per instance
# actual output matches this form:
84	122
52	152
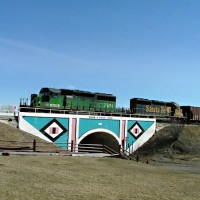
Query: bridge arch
101	136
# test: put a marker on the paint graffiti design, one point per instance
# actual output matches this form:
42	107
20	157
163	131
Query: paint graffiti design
53	130
136	130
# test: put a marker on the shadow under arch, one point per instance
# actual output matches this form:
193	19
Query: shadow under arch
101	137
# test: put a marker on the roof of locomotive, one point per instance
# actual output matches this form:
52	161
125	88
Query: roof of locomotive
49	90
76	92
154	101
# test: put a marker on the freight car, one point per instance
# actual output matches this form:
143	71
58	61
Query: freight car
66	99
191	113
146	107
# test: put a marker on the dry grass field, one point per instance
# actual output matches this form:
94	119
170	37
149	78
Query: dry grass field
57	178
64	177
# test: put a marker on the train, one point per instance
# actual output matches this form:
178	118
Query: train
66	99
146	107
77	100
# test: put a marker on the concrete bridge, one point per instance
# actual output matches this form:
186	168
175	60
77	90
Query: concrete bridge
127	132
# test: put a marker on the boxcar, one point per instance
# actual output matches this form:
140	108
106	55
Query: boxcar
191	113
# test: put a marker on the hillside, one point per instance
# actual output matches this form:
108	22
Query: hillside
10	133
173	143
14	134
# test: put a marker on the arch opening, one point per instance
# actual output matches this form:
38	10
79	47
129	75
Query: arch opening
101	138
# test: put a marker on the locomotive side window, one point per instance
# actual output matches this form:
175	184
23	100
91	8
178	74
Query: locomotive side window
54	95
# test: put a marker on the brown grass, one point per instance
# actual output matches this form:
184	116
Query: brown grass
57	178
37	177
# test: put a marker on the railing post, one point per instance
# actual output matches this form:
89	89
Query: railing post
104	149
119	150
129	149
72	146
34	145
137	158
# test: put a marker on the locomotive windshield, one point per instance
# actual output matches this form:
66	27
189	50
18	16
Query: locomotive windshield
50	92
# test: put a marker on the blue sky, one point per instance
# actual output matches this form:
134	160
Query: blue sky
129	48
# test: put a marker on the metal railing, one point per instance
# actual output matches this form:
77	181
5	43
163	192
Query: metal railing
130	156
37	146
91	114
66	148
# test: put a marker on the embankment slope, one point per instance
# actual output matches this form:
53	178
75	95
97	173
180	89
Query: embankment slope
173	143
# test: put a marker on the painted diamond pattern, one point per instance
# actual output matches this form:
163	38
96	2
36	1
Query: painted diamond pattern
136	130
53	130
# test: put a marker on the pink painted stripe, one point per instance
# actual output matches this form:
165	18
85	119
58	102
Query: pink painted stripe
123	124
53	130
74	120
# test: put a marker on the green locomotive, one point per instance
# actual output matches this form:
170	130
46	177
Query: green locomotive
66	99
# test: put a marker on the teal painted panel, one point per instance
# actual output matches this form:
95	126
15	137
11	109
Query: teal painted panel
130	123
145	125
86	125
40	122
131	140
61	142
65	137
